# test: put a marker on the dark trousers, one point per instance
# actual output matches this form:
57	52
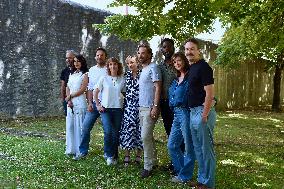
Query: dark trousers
64	103
167	115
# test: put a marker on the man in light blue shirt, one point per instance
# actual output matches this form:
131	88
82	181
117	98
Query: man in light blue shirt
149	98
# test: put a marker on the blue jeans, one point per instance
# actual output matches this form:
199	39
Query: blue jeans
87	126
202	136
111	119
180	132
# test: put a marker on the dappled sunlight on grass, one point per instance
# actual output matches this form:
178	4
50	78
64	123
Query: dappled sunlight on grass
240	116
99	134
255	158
261	184
231	162
268	118
248	145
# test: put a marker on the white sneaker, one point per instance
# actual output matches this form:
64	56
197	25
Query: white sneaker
109	161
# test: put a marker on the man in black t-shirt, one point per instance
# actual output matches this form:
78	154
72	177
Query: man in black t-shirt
70	54
202	115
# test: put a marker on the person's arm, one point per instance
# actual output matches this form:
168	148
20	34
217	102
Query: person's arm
157	95
69	102
63	89
82	89
98	88
90	100
209	90
96	98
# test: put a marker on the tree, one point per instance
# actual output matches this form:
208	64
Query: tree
256	32
186	18
255	28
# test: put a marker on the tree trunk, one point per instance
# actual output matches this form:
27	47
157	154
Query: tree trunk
276	104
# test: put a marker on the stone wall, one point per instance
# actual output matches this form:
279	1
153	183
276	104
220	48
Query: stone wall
34	35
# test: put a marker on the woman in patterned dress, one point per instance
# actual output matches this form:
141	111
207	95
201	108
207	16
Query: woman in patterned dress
130	133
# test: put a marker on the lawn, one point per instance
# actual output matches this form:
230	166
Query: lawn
249	149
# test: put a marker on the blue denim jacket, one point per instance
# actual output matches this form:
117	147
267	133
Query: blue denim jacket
178	93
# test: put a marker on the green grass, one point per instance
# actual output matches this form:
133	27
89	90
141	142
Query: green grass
249	149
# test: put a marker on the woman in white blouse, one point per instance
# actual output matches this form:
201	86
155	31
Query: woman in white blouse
77	105
110	104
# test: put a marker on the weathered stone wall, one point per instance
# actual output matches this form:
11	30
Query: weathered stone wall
34	35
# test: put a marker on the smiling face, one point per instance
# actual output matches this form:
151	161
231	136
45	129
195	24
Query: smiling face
69	58
144	56
167	49
77	64
100	57
178	63
192	52
132	64
113	68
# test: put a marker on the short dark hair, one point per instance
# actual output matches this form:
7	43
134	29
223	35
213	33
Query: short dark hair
193	40
184	60
168	40
101	49
147	47
120	67
84	66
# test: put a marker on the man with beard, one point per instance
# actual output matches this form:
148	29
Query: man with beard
70	54
149	98
95	73
202	116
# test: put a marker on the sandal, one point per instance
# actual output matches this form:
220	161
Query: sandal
126	160
138	159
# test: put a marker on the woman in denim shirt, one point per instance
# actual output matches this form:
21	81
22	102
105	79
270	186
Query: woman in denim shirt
178	101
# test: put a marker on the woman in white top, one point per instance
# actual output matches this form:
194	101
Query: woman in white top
110	106
77	105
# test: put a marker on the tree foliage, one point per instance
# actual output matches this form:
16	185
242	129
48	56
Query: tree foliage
186	18
257	33
255	28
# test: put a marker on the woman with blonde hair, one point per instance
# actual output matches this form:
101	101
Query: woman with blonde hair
130	133
110	104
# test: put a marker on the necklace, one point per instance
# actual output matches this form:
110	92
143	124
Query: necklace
114	80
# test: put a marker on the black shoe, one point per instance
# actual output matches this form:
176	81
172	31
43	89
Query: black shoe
170	167
145	173
173	173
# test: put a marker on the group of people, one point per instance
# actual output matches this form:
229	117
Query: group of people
181	88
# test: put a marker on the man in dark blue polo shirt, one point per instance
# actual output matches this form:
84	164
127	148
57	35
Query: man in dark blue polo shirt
70	54
202	114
